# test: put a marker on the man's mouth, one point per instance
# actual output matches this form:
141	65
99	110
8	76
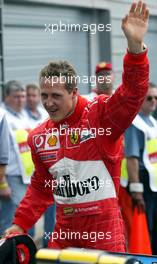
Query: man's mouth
53	111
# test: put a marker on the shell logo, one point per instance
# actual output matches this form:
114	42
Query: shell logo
52	141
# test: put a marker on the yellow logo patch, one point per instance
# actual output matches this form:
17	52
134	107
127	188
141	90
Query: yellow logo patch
68	211
74	138
52	141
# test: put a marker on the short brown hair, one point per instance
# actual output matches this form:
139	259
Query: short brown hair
12	86
32	86
61	69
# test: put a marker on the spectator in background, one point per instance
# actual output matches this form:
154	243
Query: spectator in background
141	156
5	191
20	166
155	114
104	81
36	115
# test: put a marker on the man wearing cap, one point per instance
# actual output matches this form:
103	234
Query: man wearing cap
104	80
81	170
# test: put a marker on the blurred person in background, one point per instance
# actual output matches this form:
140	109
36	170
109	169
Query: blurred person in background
5	191
37	114
20	166
141	163
104	81
155	113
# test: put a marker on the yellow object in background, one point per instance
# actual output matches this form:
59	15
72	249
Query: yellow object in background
80	256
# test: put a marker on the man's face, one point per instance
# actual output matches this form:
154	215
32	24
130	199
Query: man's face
150	102
104	82
58	102
33	98
16	100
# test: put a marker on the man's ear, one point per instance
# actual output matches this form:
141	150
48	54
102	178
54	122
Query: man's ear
6	99
75	92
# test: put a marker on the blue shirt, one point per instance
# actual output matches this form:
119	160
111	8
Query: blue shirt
4	140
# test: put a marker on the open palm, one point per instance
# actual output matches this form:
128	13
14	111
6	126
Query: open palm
135	24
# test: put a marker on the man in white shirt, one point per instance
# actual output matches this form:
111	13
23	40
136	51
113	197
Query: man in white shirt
20	165
4	157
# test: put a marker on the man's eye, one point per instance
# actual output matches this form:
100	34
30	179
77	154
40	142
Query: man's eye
56	96
43	96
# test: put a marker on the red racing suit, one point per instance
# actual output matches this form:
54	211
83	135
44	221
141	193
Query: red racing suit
77	163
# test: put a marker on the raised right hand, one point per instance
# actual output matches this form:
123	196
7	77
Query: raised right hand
135	26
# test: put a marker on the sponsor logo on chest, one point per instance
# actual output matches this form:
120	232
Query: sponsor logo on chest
71	188
46	142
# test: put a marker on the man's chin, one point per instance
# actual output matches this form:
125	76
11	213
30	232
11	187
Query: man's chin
55	118
19	109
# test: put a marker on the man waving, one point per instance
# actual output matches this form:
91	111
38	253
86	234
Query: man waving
77	151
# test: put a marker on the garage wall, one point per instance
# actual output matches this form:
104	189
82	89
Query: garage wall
27	47
117	9
90	49
151	41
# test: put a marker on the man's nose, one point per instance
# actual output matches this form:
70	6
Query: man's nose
21	99
49	102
